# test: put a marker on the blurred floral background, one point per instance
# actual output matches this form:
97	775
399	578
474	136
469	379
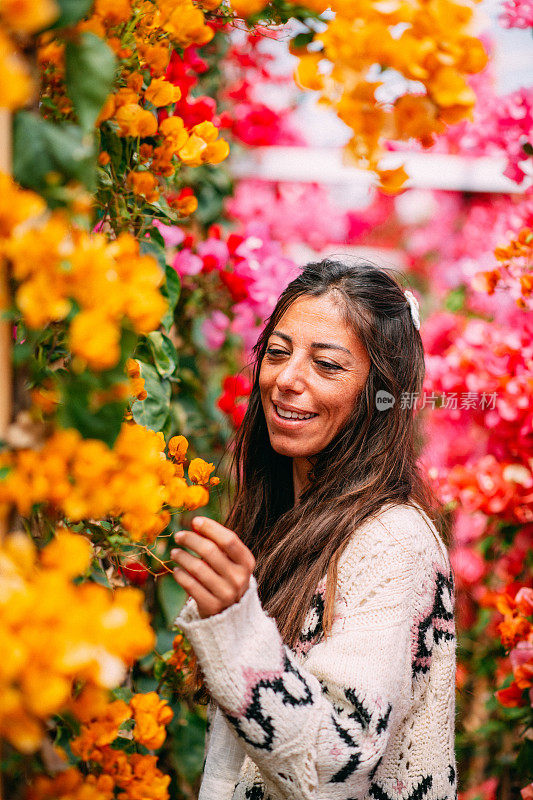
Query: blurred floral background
168	165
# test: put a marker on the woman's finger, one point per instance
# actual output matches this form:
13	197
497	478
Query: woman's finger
206	602
206	549
227	540
226	591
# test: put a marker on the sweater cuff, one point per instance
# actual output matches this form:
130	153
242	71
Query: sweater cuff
189	614
226	644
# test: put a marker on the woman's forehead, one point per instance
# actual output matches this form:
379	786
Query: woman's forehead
318	319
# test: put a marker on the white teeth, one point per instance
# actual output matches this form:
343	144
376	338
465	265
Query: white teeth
292	414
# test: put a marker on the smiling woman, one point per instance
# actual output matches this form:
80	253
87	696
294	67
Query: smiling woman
309	388
321	614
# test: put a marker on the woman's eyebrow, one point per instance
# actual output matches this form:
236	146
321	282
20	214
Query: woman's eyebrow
318	345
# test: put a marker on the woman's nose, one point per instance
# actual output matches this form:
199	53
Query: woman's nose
290	378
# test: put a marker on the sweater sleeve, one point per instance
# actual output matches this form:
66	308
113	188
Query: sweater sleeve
325	724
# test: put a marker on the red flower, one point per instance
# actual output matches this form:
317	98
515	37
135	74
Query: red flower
512	697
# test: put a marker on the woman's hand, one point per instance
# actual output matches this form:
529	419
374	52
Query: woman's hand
219	577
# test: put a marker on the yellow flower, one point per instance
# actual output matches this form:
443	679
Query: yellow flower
246	8
16	205
173	129
196	497
100	729
200	470
144	183
151	714
68	553
96	339
177	448
16	86
28	16
155	56
391	181
135	121
447	88
191	152
162	93
216	152
306	74
113	12
46	651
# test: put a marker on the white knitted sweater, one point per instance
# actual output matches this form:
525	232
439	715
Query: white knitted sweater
368	711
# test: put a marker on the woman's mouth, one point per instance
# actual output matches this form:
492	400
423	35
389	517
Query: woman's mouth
292	416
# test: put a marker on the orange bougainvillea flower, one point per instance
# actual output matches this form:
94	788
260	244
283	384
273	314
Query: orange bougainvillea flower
191	152
245	8
151	715
95	338
155	56
135	121
200	470
16	86
177	448
216	152
196	496
28	16
306	73
113	12
513	629
162	93
102	729
144	183
173	129
391	181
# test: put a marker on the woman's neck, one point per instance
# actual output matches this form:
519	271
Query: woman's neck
300	473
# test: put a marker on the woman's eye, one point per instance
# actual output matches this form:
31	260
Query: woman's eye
329	365
274	351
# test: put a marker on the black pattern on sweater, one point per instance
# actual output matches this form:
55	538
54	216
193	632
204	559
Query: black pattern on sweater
256	713
433	627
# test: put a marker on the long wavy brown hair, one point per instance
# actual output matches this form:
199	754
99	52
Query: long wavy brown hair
371	461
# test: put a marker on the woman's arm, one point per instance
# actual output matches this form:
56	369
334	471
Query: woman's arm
324	726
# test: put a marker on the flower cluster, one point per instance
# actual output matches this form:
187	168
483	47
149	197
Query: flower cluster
102	721
146	103
18	20
250	266
424	42
515	273
85	479
248	73
516	631
47	650
232	401
517	14
57	265
289	212
489	357
500	489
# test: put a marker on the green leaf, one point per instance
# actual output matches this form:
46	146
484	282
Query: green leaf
153	411
171	596
75	410
171	290
455	299
187	737
71	11
153	248
89	72
163	352
303	39
45	154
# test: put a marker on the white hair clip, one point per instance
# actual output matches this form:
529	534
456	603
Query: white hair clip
413	305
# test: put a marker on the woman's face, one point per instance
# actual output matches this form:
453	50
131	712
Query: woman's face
313	370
